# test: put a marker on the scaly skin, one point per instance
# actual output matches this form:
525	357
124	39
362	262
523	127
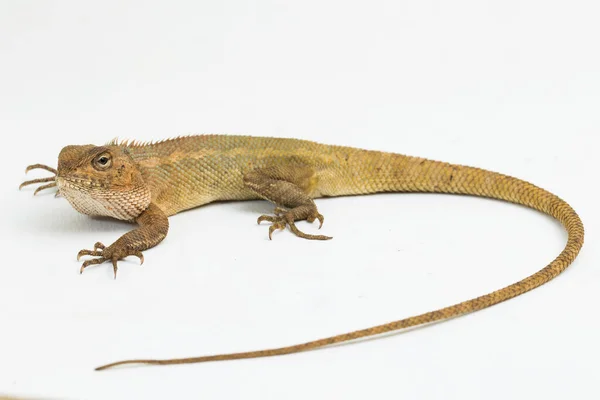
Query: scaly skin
147	182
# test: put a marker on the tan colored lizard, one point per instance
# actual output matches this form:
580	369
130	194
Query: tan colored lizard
147	182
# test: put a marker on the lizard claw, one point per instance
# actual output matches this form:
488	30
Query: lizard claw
318	216
93	261
106	254
280	211
276	223
285	218
95	252
41	166
51	179
139	255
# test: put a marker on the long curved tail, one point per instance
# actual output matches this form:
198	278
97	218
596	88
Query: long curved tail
393	172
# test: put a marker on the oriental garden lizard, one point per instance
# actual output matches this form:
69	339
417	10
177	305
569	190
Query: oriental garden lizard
145	183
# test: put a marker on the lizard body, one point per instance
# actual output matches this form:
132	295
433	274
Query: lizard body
147	182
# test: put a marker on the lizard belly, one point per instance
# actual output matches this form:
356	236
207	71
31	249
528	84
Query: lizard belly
192	193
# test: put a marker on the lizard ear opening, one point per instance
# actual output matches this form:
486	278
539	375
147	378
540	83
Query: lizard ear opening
102	161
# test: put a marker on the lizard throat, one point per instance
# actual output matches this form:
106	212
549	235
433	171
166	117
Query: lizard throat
93	199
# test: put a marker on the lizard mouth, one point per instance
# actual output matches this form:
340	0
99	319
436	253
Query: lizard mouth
77	190
73	181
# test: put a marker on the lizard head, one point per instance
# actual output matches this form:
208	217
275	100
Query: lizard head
102	180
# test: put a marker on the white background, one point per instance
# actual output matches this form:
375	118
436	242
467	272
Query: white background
512	86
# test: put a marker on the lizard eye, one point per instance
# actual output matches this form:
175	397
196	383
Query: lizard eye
102	162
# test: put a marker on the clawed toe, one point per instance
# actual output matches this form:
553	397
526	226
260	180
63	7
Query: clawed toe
277	225
303	235
93	261
88	253
267	218
285	218
98	247
43	187
97	252
280	211
318	216
106	254
139	255
41	166
51	179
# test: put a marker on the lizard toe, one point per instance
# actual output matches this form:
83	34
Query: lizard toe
111	253
93	261
98	249
50	181
281	220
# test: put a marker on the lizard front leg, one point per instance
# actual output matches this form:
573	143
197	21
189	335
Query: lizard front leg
288	187
51	179
153	228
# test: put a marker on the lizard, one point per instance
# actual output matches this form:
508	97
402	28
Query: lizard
146	182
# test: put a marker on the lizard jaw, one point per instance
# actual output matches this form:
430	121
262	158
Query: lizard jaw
92	198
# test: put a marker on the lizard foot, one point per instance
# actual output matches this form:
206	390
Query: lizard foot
110	253
284	217
51	179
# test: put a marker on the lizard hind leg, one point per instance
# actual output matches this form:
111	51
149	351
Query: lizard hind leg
287	187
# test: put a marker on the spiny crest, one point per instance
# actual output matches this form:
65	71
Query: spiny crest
138	143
